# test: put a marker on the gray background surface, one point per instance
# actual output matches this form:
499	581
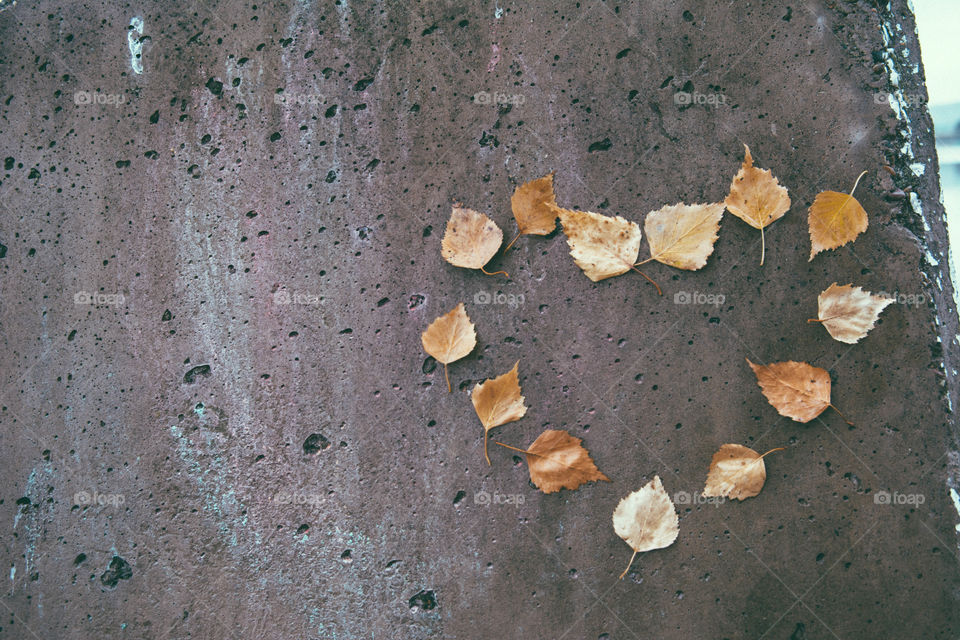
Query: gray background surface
205	195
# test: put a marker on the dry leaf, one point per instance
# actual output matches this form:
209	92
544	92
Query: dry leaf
849	312
471	239
557	461
835	219
498	401
600	245
756	197
450	337
736	472
796	390
646	519
682	235
533	206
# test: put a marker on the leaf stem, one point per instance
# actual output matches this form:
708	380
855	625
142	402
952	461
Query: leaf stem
507	275
486	454
771	451
814	320
515	238
648	279
445	375
628	566
637	264
509	447
763	246
854	189
841	415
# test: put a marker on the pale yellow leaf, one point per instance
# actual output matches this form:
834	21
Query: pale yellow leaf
682	235
849	312
646	519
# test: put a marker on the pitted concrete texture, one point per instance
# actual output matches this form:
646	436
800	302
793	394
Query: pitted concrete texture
221	228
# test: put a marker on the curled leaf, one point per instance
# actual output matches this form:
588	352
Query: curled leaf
835	219
533	205
849	312
471	239
646	519
756	197
498	401
450	337
557	460
735	472
683	235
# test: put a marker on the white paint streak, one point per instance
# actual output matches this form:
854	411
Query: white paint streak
956	503
133	42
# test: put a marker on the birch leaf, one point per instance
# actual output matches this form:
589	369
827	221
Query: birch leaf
450	337
498	401
646	519
849	312
757	198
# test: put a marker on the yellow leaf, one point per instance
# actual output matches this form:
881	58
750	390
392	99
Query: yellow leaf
646	519
796	390
557	460
450	337
682	235
736	472
498	401
756	197
849	312
835	219
532	205
471	239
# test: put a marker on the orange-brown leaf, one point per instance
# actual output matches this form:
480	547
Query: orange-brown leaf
557	461
835	219
531	203
796	390
756	197
451	336
498	401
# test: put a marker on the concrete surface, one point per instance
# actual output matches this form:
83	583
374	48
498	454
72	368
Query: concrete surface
251	442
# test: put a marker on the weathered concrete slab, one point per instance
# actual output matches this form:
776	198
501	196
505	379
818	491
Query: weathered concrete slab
251	443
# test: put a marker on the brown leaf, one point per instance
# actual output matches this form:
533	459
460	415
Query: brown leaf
533	206
756	197
471	239
450	337
646	519
835	219
498	401
736	472
796	390
557	460
682	235
849	312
